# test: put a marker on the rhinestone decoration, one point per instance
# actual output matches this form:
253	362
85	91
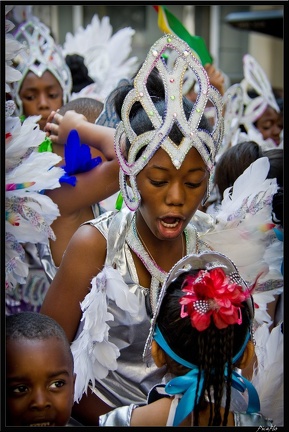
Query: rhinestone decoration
199	260
202	306
41	54
152	140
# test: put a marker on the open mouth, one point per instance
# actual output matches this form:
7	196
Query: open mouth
42	424
170	222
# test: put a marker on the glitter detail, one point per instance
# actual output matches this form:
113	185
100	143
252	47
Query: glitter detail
177	163
206	143
202	306
40	54
158	275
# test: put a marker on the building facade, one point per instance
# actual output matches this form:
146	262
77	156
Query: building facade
226	43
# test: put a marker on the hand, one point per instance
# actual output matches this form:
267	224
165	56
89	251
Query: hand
61	125
216	78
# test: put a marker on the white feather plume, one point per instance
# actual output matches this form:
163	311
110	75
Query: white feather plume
28	213
243	228
94	355
106	56
268	376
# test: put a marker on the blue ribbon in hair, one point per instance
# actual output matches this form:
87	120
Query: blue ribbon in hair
187	384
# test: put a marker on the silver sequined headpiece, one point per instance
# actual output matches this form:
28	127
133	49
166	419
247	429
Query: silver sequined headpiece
41	54
207	143
255	78
207	260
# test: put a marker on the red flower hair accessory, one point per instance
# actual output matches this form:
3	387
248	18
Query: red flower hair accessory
212	294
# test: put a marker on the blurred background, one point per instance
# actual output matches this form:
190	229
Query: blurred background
230	31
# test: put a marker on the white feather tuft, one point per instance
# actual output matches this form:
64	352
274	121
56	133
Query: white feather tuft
94	355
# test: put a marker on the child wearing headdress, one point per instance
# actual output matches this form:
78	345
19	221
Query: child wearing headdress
44	86
46	80
201	330
114	266
253	111
166	148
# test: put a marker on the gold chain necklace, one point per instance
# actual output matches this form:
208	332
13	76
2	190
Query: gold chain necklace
146	248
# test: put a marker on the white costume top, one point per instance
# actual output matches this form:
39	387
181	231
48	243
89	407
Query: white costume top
122	416
132	378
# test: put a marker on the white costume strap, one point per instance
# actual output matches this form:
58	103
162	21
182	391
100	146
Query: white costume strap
172	412
117	234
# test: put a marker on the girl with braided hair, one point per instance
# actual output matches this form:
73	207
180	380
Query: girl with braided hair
107	286
201	331
114	265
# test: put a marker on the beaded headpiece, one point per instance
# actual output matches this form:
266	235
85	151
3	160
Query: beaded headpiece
256	79
207	143
207	260
233	101
41	53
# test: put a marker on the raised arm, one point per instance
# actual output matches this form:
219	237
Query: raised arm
92	186
99	137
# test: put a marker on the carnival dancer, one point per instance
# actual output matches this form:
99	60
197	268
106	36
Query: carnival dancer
201	330
28	213
252	110
111	274
46	79
166	149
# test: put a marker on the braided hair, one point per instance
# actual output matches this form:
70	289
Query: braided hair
212	350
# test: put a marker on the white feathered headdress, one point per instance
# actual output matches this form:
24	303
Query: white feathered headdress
106	56
242	109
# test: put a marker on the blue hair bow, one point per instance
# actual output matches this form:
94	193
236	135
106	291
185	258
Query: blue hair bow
187	384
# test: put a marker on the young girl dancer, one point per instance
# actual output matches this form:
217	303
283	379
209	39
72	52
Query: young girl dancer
201	331
166	150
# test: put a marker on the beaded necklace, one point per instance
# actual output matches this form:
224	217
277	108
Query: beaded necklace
158	275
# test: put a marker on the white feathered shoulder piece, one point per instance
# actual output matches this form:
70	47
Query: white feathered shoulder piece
106	56
94	355
244	229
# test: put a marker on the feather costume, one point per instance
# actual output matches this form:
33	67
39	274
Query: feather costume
28	213
268	376
244	232
106	56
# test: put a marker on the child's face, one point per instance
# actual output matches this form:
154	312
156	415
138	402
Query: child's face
41	95
39	383
270	124
170	196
